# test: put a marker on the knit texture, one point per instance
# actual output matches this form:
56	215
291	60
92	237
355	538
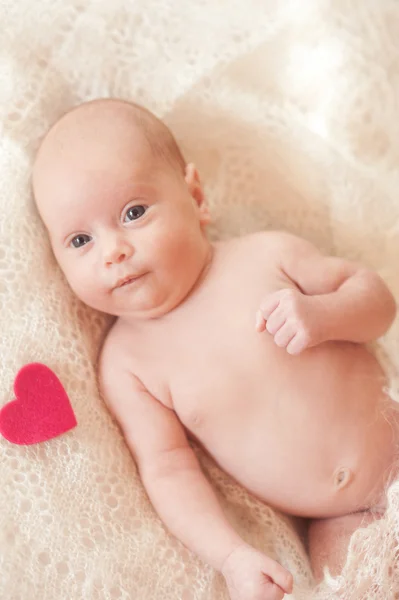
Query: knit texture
290	112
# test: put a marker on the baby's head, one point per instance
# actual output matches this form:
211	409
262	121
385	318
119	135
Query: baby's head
119	202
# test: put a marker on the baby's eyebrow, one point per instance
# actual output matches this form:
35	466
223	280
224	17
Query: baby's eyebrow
139	188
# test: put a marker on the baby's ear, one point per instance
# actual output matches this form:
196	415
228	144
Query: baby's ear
193	181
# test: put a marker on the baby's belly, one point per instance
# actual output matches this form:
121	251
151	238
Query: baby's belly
316	441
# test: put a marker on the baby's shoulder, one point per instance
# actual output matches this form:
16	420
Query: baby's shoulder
278	241
115	353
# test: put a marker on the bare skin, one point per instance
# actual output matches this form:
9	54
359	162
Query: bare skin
254	347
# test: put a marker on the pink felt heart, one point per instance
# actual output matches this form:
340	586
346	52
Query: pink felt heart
41	410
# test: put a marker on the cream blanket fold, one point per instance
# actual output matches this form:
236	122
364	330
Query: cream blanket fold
290	111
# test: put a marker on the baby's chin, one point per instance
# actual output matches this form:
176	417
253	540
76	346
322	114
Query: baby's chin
129	308
143	301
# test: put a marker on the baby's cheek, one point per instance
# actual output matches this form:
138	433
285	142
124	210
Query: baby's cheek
184	244
83	286
164	248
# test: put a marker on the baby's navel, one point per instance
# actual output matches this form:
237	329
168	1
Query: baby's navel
342	476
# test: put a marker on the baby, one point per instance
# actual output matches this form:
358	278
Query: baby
252	346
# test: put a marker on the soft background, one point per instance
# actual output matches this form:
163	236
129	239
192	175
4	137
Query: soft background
290	110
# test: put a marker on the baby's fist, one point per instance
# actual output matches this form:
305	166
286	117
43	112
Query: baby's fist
293	319
251	575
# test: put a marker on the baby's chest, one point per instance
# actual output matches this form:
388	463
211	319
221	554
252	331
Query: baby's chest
211	392
219	371
208	361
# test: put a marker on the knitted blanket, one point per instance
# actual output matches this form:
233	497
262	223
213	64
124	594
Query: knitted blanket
290	111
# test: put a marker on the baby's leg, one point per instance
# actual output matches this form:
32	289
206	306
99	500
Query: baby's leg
328	540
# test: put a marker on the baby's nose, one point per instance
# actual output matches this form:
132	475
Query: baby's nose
117	250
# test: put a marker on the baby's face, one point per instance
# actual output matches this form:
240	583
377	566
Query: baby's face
125	228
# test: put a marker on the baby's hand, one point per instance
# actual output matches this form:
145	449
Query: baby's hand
294	319
250	575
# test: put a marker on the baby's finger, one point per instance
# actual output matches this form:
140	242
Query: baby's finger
285	334
260	324
269	305
279	594
276	593
275	321
279	575
297	344
271	591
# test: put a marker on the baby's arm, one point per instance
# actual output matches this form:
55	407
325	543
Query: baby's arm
178	489
340	299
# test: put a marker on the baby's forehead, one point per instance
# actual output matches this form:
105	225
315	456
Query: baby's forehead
85	136
113	124
69	155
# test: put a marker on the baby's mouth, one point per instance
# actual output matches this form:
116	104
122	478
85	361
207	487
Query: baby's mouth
128	281
125	281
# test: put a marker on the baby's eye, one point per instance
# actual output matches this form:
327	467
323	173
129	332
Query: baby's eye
80	240
135	212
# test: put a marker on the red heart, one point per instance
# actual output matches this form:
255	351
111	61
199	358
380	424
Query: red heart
41	410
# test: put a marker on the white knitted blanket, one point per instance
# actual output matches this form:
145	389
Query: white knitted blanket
290	111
